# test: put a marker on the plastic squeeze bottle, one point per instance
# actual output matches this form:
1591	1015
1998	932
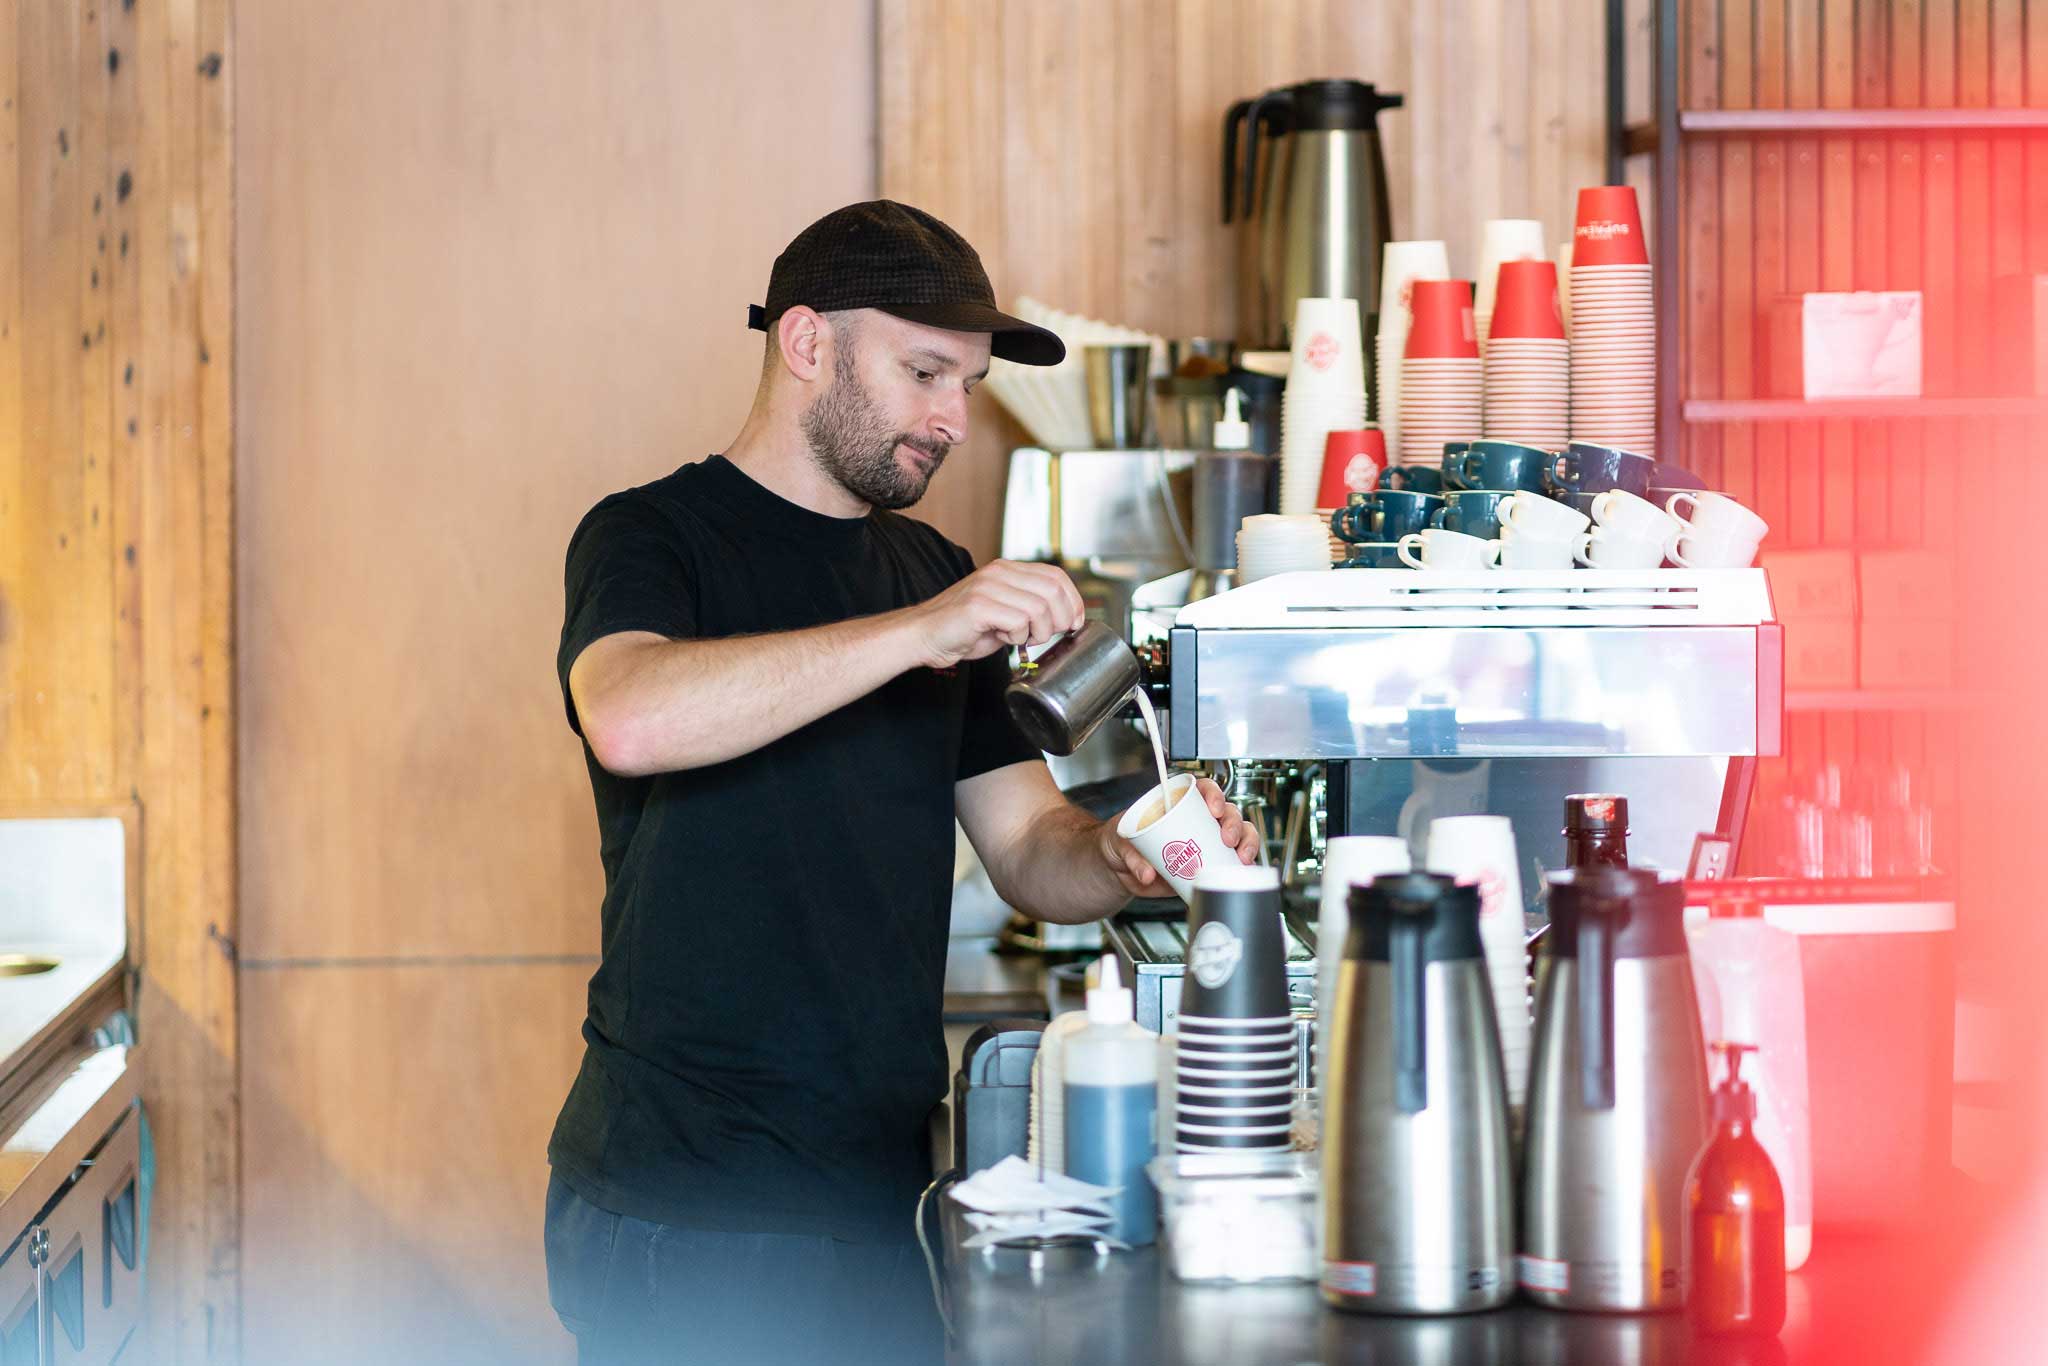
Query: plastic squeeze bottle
1735	1219
1751	986
1112	1099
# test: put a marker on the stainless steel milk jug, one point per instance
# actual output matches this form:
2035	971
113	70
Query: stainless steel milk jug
1418	1211
1617	1096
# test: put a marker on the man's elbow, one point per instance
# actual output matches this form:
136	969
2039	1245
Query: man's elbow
615	743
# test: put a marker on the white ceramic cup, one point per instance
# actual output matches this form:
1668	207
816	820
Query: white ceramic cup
1716	516
1521	550
1535	515
1446	550
1603	548
1625	514
1694	551
1183	841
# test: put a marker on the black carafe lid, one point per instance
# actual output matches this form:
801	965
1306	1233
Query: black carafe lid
1598	916
1446	911
1643	911
1337	105
1408	921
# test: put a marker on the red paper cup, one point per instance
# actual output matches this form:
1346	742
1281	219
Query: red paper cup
1609	231
1352	462
1525	302
1441	326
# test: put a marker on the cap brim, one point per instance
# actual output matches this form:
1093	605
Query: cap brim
1011	339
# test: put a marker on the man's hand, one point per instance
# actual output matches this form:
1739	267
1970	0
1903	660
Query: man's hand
1140	878
1001	604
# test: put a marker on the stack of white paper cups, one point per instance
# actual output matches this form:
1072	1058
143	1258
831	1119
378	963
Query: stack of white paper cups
1480	850
1501	240
1325	393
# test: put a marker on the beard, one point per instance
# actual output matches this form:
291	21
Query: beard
853	441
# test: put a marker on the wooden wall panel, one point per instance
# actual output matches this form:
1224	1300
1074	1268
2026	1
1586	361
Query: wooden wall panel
1078	146
395	1208
494	263
116	536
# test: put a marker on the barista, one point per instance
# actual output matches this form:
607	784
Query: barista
788	692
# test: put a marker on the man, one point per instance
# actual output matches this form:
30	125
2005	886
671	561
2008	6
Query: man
787	694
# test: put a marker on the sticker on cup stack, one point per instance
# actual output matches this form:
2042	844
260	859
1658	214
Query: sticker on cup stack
1215	954
1183	858
1321	351
1541	1273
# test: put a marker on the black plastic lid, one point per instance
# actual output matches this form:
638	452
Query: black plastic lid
1646	911
1448	909
1595	813
1329	105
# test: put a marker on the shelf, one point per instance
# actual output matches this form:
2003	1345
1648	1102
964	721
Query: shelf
1739	121
1877	699
1806	410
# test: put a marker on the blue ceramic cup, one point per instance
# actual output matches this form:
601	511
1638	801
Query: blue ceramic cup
1453	464
1586	468
1475	512
1402	513
1508	465
1413	478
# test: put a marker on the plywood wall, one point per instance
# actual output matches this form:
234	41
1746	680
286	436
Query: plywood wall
1078	145
494	263
1948	214
116	477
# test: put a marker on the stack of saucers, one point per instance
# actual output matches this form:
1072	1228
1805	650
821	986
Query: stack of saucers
1270	543
1237	1058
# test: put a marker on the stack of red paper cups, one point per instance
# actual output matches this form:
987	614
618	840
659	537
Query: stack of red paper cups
1528	364
1614	324
1442	385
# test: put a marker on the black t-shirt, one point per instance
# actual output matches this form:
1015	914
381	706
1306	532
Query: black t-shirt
763	1037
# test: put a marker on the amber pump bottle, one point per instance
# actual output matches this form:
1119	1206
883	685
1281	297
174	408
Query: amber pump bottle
1735	1219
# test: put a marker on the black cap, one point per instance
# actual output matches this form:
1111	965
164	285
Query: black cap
903	261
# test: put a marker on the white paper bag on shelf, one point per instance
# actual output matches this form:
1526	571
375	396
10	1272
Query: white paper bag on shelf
1862	345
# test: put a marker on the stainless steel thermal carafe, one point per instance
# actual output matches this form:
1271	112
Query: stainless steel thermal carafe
1418	1209
1617	1096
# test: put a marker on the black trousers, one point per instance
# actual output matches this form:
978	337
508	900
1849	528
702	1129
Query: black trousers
636	1293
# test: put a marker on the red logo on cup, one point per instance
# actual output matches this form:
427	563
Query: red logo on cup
1321	351
1361	473
1183	858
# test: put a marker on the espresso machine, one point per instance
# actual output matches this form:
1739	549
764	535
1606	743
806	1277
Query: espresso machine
1371	702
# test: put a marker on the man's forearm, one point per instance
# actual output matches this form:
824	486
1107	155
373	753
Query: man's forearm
1059	873
690	703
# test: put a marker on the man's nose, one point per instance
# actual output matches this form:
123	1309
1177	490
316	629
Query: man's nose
949	418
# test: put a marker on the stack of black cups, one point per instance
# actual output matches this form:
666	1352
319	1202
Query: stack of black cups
1235	1060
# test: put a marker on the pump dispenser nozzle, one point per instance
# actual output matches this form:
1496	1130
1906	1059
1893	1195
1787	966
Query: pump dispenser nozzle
1733	1100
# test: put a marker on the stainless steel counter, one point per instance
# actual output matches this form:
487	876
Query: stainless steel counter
1857	1298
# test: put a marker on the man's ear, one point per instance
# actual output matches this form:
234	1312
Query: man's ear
800	333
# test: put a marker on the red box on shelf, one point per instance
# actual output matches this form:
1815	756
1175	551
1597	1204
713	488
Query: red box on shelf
1906	585
1905	653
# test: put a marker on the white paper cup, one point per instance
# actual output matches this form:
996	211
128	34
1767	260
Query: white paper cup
1401	265
1480	850
1183	841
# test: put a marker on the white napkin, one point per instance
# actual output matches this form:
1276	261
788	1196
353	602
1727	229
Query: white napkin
1013	1199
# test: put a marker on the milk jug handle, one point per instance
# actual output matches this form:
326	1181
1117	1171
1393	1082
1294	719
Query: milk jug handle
1596	1011
1411	1046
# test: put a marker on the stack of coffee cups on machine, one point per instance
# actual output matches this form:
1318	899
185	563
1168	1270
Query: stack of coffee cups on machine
1325	393
1442	384
1401	265
1501	240
1236	1060
1613	324
1528	366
